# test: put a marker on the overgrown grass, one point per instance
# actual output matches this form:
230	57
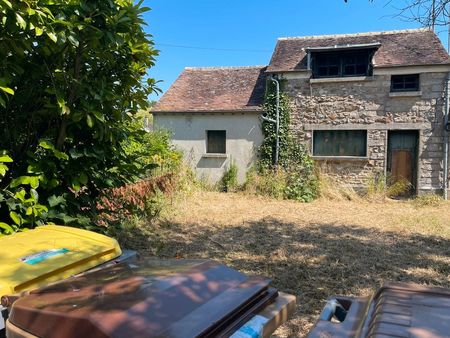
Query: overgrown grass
428	200
377	187
332	188
312	250
282	184
380	187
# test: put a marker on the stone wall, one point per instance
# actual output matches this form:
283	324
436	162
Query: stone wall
368	104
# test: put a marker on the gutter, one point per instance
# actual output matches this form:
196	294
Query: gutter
202	111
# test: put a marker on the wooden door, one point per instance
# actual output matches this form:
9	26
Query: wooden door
402	165
402	156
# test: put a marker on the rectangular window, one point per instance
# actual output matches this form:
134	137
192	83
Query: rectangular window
340	143
343	63
216	141
405	83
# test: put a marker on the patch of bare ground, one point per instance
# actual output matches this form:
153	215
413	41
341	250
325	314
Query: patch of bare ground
311	250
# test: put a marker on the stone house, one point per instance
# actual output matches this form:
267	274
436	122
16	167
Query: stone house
363	103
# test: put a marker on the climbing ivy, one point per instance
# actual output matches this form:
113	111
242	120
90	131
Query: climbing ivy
295	163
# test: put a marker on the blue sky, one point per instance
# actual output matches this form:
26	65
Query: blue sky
251	28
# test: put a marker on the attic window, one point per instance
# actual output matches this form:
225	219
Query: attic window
342	63
405	83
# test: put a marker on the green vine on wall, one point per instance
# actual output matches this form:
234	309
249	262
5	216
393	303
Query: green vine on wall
295	163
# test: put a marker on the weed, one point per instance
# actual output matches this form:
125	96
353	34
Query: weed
229	180
428	200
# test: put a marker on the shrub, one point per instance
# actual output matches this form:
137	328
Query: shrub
294	177
144	199
72	78
151	150
229	181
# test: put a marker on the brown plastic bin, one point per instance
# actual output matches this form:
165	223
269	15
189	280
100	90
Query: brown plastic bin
147	298
401	310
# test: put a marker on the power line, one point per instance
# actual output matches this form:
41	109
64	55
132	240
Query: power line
215	49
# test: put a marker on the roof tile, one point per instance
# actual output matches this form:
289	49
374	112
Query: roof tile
398	48
215	89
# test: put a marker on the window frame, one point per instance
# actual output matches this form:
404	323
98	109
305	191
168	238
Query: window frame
366	148
342	63
224	141
403	89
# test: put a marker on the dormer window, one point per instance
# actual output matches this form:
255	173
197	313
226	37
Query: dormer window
341	64
341	61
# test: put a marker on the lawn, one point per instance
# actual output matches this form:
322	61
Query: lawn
311	250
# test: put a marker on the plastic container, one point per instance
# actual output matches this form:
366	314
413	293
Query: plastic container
401	310
149	298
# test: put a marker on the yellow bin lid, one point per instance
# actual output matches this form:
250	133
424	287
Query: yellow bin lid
50	253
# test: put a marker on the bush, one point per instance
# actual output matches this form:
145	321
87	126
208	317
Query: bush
151	150
294	177
144	199
229	181
281	184
72	79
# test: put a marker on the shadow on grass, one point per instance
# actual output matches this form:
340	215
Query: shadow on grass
311	261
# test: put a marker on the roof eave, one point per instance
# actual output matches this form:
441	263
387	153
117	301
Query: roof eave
344	47
281	70
205	111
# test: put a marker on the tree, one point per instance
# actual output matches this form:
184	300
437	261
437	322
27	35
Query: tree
72	76
428	13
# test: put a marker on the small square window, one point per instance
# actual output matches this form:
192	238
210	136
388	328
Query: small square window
216	141
405	83
340	143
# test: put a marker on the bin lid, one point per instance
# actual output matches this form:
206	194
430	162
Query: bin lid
409	310
401	310
142	298
50	253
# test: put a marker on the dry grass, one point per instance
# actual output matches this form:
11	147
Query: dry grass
312	250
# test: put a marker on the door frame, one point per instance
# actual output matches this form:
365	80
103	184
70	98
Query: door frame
416	154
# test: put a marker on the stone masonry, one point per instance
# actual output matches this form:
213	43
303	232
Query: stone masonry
367	104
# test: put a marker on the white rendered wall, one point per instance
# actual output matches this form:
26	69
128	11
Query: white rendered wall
243	133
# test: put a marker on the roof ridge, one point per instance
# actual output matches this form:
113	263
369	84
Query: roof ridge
225	68
424	29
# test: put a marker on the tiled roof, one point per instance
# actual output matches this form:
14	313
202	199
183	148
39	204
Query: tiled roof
398	48
227	89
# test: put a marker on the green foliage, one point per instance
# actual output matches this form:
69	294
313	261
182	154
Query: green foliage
151	149
21	200
295	163
144	199
229	181
155	204
428	200
72	78
381	186
271	183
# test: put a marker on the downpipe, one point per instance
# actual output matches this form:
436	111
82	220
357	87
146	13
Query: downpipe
276	121
446	131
